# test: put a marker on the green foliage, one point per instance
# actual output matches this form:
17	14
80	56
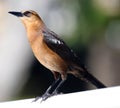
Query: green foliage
90	22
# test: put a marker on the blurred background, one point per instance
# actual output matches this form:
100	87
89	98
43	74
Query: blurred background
90	27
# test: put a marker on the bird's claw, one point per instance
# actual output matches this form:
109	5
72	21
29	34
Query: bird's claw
43	97
36	99
46	96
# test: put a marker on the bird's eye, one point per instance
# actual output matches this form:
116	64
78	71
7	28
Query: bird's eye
27	13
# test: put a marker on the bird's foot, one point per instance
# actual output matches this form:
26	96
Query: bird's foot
55	93
43	97
36	99
46	96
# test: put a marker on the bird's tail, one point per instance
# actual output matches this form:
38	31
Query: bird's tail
83	74
90	78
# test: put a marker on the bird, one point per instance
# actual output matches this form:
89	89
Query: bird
53	53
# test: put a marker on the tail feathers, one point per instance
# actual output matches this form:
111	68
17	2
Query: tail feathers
82	73
90	78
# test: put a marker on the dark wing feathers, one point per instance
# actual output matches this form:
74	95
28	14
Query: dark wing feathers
59	46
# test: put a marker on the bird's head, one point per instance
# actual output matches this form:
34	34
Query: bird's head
29	18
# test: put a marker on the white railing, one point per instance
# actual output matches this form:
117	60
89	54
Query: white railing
99	98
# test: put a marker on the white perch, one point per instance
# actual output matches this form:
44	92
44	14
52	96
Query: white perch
99	98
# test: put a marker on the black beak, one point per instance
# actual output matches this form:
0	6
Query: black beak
18	14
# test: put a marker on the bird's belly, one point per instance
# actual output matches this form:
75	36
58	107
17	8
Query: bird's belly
49	59
53	64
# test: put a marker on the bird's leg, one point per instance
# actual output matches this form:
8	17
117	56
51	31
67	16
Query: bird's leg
49	90
56	91
55	88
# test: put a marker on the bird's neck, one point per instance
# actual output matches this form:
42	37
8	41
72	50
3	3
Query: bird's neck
34	30
34	26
